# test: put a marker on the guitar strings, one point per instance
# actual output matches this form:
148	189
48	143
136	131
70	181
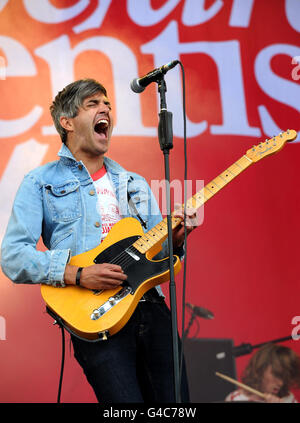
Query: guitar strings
123	259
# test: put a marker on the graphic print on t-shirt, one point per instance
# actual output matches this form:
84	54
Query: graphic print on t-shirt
107	204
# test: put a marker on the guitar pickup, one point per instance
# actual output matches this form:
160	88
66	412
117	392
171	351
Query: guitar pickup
132	254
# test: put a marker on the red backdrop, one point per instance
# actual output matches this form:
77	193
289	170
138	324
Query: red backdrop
241	60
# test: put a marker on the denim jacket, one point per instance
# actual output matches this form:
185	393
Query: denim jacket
58	202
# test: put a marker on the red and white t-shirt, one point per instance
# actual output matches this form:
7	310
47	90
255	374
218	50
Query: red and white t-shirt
107	204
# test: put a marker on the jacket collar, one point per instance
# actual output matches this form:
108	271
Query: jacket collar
112	167
65	154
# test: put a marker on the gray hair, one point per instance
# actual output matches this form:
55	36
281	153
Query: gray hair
68	101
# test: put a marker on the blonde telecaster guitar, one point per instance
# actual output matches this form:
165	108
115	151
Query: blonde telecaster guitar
96	315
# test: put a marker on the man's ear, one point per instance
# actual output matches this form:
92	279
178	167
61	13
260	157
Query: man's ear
66	123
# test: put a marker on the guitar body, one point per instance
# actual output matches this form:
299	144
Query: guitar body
98	314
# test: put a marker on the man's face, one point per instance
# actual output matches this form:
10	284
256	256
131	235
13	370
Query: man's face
92	127
270	383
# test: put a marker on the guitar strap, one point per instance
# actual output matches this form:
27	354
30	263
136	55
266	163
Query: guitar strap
135	212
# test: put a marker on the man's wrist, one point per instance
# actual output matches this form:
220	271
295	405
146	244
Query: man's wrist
70	274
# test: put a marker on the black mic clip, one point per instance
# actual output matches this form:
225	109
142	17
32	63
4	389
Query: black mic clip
242	349
200	311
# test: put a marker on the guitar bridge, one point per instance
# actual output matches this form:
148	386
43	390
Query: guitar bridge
111	302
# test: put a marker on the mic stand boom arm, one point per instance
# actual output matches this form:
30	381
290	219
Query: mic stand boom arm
165	136
248	348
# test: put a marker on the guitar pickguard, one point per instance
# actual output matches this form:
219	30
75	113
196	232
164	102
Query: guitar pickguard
134	264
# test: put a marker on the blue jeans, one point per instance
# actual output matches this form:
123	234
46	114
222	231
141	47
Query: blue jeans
136	364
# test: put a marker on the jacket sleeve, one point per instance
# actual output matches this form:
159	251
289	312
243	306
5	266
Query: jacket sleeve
20	260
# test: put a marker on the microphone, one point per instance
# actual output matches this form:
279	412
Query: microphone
139	84
200	311
237	351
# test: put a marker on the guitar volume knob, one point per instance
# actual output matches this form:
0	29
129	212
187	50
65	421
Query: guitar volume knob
96	314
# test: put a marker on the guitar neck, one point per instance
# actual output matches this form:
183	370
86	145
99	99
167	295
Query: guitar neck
197	200
159	232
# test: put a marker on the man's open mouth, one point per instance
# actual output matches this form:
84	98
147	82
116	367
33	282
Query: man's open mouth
101	127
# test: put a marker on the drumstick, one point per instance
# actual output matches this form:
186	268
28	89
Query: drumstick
242	385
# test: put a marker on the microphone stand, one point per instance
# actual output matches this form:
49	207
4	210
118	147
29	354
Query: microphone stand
165	136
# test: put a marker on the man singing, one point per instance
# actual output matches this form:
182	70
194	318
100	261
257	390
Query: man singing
72	203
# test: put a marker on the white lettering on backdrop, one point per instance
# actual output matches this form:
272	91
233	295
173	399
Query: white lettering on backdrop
278	88
60	57
166	46
15	54
44	11
226	56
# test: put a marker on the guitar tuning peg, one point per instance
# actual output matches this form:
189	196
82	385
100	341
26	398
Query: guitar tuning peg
280	135
288	131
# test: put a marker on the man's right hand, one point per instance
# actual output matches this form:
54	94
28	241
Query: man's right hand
97	276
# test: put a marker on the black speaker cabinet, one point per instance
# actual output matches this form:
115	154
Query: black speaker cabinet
203	358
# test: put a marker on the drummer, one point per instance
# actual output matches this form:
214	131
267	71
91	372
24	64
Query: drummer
272	370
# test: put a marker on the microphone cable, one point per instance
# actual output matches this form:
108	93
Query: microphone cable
62	362
184	219
58	321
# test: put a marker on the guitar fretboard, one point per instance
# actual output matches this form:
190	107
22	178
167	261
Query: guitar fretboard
159	232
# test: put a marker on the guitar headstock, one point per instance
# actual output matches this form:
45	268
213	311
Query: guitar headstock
270	146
